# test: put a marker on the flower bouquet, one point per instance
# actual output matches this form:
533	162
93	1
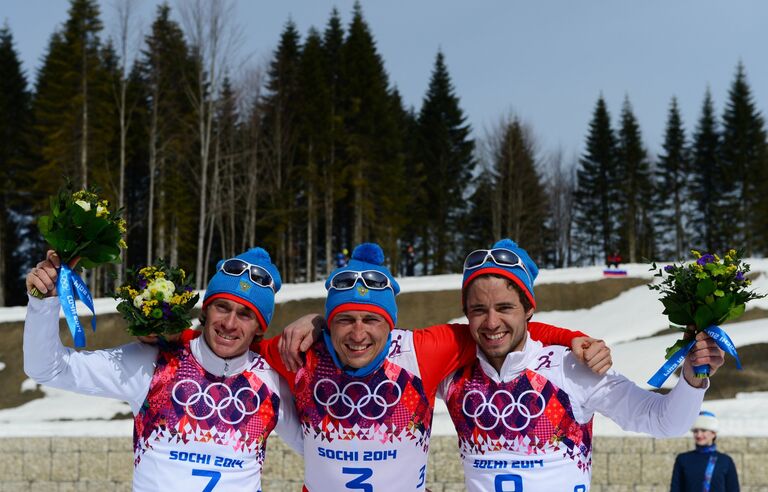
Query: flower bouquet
80	225
699	296
156	300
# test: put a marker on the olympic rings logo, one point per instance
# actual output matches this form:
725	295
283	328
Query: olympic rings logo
366	406
209	402
501	415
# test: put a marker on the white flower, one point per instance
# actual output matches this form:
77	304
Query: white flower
83	204
138	301
161	286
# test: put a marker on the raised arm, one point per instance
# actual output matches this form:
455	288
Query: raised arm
122	373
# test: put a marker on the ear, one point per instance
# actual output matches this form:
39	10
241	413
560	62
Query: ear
529	314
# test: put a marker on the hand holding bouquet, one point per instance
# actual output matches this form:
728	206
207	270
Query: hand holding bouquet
698	297
80	229
156	300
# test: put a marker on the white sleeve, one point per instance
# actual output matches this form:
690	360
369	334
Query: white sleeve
442	388
123	373
633	408
288	426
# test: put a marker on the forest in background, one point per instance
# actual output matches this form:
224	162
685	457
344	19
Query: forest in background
316	152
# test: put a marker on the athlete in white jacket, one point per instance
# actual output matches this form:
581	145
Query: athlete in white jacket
203	409
523	412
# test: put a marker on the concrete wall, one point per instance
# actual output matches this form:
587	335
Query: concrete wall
59	464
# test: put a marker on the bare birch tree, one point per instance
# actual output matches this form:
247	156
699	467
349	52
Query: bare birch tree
214	37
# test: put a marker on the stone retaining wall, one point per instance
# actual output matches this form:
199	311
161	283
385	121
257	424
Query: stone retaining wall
65	464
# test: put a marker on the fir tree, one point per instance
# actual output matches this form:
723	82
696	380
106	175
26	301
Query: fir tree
315	122
520	201
369	129
333	43
73	103
743	159
595	208
14	157
165	67
281	110
672	175
635	185
708	182
446	152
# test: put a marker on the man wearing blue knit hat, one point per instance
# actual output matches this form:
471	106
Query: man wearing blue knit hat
523	412
365	394
203	408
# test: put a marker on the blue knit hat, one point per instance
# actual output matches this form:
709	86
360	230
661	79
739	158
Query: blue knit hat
366	256
241	289
522	276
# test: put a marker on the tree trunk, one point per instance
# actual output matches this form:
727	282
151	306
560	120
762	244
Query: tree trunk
3	236
358	184
153	136
84	139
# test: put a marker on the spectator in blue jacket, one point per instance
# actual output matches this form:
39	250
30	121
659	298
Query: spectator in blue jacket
704	468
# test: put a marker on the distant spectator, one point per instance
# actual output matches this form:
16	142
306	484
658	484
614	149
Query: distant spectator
341	258
410	260
613	259
704	469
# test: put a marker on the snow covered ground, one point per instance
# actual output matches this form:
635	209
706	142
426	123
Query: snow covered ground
626	323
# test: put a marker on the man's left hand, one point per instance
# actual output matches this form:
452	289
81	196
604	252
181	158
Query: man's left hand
704	352
593	353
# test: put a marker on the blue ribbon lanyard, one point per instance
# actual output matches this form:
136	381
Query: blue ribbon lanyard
721	339
708	473
68	285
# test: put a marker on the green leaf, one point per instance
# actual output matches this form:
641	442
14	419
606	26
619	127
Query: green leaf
703	317
736	311
680	317
719	293
44	223
721	307
706	287
674	348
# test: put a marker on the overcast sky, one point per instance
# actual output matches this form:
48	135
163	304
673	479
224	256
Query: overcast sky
545	60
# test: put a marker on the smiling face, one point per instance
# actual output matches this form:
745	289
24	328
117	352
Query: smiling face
358	337
497	318
704	437
230	327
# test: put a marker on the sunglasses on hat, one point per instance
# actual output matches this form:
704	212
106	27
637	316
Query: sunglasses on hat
257	274
500	256
372	279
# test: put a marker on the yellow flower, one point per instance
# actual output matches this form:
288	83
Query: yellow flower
122	244
697	268
695	254
121	226
717	258
148	306
182	273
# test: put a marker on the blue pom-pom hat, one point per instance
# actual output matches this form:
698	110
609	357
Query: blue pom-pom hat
241	289
516	274
366	256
